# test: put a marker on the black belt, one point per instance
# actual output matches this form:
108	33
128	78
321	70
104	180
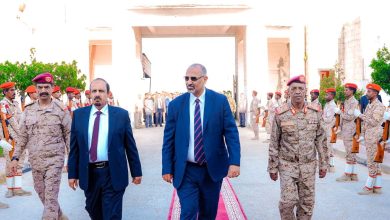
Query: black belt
197	164
99	165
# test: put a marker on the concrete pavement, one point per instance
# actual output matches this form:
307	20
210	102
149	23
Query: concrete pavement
258	195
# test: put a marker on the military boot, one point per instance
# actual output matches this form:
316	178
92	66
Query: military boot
378	190
9	194
366	191
344	178
4	205
354	177
21	192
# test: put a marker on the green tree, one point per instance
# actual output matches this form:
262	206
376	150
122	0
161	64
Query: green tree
381	69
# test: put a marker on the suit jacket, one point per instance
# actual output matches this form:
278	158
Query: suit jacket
120	144
220	137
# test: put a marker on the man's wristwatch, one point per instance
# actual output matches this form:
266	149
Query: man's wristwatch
15	158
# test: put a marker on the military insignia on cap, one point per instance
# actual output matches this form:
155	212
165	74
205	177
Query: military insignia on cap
302	78
48	79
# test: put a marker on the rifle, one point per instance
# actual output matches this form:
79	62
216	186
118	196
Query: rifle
265	118
333	137
380	153
4	121
356	136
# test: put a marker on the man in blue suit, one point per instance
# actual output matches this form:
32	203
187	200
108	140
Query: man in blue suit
201	146
101	145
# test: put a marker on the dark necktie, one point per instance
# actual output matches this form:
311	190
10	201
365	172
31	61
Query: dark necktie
95	137
198	136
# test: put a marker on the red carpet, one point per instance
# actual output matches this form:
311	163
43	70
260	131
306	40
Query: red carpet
229	208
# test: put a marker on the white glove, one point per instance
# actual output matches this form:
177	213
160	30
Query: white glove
337	110
5	145
388	141
357	112
386	116
361	139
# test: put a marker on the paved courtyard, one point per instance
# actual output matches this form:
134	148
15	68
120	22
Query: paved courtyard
257	193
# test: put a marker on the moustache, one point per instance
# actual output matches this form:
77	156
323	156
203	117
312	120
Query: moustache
96	98
43	93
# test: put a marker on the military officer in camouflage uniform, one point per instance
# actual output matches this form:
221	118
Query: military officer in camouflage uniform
297	138
45	132
271	112
328	115
348	129
10	109
372	131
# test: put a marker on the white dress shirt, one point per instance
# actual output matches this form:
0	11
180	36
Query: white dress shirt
191	156
102	145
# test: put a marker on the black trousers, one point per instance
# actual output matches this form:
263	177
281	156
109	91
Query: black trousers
102	201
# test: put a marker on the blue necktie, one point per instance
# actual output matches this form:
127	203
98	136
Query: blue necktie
198	136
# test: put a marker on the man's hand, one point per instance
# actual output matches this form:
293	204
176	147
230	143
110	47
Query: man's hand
273	176
137	180
322	173
234	171
168	178
73	183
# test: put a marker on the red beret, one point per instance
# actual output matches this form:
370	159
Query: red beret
373	86
298	79
56	89
330	90
76	91
69	90
278	93
315	90
87	92
7	85
350	85
286	91
31	89
43	78
270	93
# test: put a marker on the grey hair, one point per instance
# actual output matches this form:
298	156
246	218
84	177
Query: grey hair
101	79
198	65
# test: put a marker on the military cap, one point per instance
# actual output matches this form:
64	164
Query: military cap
350	85
315	91
374	87
31	89
330	90
69	90
76	91
87	92
7	85
278	93
56	89
43	78
298	79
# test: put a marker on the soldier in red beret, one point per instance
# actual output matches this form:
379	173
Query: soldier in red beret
372	132
278	99
88	100
71	104
348	129
45	132
314	94
11	114
328	114
32	94
77	98
57	93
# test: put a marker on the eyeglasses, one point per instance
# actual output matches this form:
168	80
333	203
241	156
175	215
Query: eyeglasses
193	78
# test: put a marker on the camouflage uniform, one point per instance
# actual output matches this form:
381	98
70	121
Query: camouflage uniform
348	129
45	132
372	131
271	113
296	139
316	101
329	122
253	110
14	180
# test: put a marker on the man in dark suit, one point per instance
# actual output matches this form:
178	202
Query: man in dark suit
201	146
101	139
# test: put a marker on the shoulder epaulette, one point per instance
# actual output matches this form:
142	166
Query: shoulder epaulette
314	106
282	109
29	104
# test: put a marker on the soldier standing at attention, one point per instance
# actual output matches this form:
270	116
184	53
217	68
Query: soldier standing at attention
297	138
372	131
11	112
328	115
348	129
254	107
45	132
314	94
